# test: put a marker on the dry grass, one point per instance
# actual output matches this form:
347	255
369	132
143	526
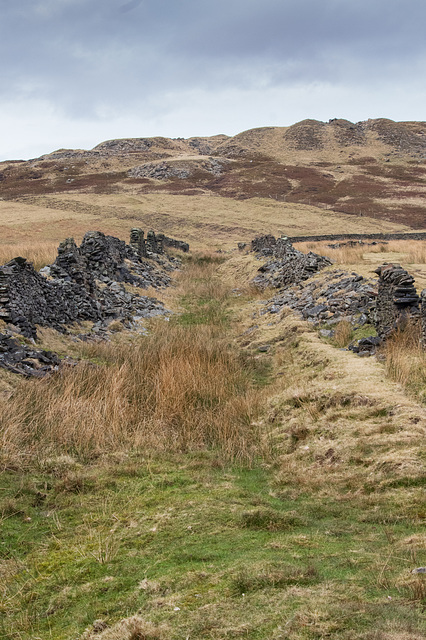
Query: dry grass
406	251
39	253
133	628
202	220
343	333
182	388
179	389
406	360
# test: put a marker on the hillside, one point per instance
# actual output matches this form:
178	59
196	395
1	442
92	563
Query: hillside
374	169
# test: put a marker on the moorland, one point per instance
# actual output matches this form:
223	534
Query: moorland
218	471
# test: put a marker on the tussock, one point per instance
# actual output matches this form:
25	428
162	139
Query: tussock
405	360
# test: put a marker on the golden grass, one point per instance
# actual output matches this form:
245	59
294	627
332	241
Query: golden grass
408	251
181	388
203	221
405	360
39	253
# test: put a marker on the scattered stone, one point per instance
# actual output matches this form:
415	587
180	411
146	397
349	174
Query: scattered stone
25	360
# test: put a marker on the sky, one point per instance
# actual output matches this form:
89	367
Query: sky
74	73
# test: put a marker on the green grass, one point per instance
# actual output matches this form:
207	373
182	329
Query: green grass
149	535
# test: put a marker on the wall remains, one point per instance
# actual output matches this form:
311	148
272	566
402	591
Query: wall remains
153	243
286	265
84	283
397	299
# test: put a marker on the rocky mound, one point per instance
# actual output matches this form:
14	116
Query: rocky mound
168	170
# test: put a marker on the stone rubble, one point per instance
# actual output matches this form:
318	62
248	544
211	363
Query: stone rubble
27	361
336	295
286	265
85	283
333	297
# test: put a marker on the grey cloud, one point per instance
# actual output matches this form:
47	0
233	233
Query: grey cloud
83	54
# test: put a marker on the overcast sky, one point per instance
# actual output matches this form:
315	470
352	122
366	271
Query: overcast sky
77	72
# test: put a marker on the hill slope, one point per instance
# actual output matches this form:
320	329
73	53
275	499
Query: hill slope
372	169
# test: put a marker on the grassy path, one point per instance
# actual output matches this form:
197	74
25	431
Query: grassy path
248	494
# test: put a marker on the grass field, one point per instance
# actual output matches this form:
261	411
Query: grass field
203	221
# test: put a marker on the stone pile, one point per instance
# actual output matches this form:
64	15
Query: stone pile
84	283
331	298
339	296
397	299
25	360
286	265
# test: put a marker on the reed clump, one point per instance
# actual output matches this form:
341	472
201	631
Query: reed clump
343	333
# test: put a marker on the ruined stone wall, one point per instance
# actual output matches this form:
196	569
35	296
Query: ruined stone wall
84	283
286	265
175	244
361	236
153	243
27	299
397	299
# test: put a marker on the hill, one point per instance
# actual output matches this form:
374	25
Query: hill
372	170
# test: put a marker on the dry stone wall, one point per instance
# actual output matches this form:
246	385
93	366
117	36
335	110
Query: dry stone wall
423	317
84	283
397	299
415	235
286	265
338	295
153	243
